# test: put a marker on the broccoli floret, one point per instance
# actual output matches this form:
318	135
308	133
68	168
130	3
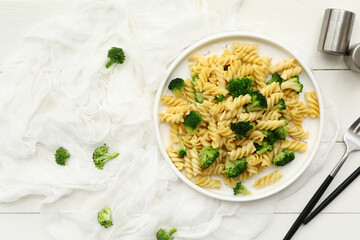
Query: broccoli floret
234	168
284	157
61	156
101	156
207	156
104	217
226	67
192	122
258	102
194	79
293	83
199	97
270	136
177	86
275	78
240	86
281	132
265	146
241	128
116	55
165	235
181	151
280	105
219	98
241	189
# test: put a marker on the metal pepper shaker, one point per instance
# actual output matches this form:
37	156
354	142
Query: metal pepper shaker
336	31
352	58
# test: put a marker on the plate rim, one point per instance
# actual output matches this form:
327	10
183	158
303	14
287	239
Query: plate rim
199	43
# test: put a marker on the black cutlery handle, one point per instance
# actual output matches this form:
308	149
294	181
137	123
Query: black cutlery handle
305	212
333	195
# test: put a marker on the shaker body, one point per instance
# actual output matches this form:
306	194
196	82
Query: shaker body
336	31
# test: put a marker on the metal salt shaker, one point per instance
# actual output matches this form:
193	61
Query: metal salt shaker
336	31
335	37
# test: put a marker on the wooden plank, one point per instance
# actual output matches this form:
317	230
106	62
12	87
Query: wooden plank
18	17
342	88
346	202
324	226
22	226
298	25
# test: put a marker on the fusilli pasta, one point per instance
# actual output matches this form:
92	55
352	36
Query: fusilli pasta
268	179
208	93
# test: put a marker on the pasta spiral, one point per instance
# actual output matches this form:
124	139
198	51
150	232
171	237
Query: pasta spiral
189	91
256	136
175	158
283	65
174	133
171	118
254	159
270	89
217	108
268	179
214	135
294	145
297	132
173	101
194	156
238	102
266	159
211	90
270	125
242	151
214	169
313	104
274	99
184	109
252	116
272	115
288	73
188	166
207	182
229	181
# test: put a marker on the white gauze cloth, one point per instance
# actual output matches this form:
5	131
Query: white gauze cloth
58	93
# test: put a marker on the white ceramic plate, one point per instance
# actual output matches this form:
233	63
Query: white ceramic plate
216	44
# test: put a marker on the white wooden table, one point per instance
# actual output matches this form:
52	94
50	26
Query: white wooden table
298	20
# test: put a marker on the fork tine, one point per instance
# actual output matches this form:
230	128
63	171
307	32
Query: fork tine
354	125
357	130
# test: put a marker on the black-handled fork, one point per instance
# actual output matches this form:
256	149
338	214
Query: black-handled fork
352	142
333	195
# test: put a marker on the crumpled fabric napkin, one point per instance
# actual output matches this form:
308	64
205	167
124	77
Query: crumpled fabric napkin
57	92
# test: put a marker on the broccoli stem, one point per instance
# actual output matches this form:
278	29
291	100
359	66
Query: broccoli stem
110	62
171	232
112	155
